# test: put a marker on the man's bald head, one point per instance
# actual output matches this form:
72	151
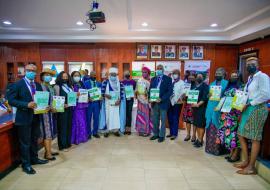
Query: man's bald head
31	67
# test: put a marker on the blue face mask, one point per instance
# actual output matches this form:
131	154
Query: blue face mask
159	72
113	78
47	79
30	75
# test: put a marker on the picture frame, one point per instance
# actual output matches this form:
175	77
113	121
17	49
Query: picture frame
142	51
156	51
170	51
183	52
197	52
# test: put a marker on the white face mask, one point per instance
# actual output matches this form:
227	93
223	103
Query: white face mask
175	76
76	79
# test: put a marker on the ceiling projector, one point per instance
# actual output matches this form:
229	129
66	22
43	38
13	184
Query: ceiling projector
95	16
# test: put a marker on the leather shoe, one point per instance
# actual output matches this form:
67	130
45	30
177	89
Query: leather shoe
39	161
153	138
96	136
29	170
160	139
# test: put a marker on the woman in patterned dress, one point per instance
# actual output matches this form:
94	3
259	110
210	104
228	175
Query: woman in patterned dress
227	134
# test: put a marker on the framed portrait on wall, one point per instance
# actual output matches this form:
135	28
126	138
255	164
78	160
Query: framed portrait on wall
142	51
156	51
197	52
170	51
183	52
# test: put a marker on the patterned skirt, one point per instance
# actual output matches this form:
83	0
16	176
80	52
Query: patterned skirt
227	134
188	114
252	122
143	120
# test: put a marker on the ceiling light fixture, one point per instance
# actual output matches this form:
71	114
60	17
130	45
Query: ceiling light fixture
144	24
80	23
214	25
6	22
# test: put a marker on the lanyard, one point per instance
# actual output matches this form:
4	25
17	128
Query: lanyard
66	88
32	91
159	81
3	106
249	82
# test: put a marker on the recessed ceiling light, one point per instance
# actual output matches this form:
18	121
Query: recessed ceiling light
214	25
6	22
80	23
144	24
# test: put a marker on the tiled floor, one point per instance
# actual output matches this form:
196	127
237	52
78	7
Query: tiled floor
134	163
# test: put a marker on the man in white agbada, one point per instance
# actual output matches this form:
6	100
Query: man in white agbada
113	93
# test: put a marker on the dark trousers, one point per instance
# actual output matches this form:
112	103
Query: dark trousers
64	123
158	115
28	142
173	118
129	106
93	112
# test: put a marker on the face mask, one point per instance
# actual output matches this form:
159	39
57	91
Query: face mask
93	78
47	79
251	69
30	75
233	80
199	80
175	76
113	78
159	72
145	75
76	79
218	78
65	81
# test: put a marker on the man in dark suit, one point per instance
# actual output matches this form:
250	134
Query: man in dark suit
21	95
161	106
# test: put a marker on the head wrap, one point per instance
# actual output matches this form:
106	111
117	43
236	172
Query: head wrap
146	69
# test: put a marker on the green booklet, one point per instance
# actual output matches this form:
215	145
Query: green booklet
83	98
227	106
72	99
129	91
95	93
220	104
215	92
239	100
115	95
59	103
154	94
41	98
193	96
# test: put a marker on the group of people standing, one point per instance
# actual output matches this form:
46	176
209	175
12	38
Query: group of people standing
112	112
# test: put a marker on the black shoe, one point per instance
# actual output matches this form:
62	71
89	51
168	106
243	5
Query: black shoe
29	170
187	138
39	162
198	144
96	136
50	159
55	153
173	138
227	157
193	140
168	136
106	135
160	139
117	134
233	160
153	138
128	133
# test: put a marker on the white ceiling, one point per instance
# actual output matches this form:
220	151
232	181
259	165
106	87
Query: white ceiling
169	20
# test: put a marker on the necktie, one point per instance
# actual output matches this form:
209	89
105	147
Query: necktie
33	88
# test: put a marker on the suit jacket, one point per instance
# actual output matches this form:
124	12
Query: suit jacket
19	96
165	90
